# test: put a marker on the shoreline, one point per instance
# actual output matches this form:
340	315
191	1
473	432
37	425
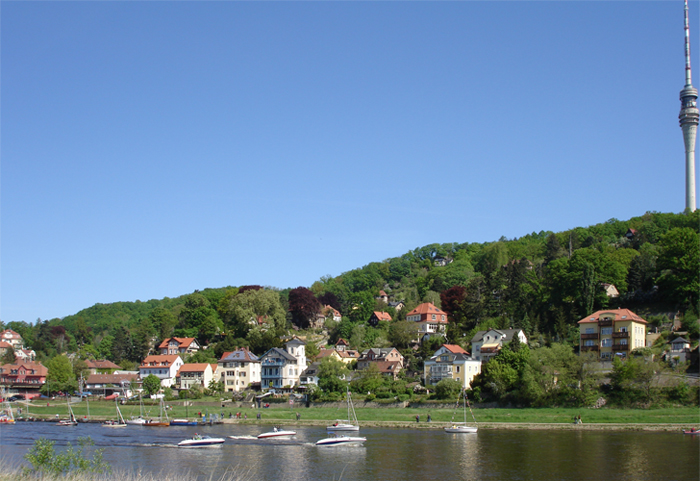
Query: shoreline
489	426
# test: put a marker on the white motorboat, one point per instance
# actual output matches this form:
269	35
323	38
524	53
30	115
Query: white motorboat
340	440
201	442
463	428
277	433
349	424
139	421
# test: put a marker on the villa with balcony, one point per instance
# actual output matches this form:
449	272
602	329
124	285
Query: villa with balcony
282	367
610	333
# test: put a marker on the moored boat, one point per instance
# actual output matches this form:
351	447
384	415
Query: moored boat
691	431
349	424
183	422
277	433
71	421
201	442
463	428
340	440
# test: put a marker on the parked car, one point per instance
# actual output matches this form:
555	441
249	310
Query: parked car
16	397
112	396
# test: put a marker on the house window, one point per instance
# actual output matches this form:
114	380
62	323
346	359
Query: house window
434	317
606	342
606	331
623	329
623	342
590	330
589	342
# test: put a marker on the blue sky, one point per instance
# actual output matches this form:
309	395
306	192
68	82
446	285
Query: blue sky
153	148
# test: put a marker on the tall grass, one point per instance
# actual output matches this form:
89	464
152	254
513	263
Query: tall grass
16	473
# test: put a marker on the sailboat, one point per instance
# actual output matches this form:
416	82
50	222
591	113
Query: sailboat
139	421
462	427
159	422
68	422
119	423
184	421
349	424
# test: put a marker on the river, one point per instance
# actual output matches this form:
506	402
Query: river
389	454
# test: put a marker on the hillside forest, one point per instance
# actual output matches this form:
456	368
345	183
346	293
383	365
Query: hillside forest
542	282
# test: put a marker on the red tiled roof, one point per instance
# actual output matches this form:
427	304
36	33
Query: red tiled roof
182	341
455	349
426	308
169	359
382	316
617	314
194	367
102	364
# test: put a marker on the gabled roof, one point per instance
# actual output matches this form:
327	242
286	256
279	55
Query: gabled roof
382	316
38	368
111	378
239	355
426	308
182	341
194	367
5	345
342	342
328	352
680	339
9	334
454	348
296	341
615	314
101	364
280	352
160	358
459	356
388	366
507	334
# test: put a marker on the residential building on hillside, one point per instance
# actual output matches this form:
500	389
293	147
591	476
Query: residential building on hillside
102	366
378	316
282	367
178	345
310	375
164	367
397	305
239	369
680	351
198	374
106	384
453	362
383	297
12	338
486	344
330	312
25	355
388	360
614	332
611	333
26	377
431	320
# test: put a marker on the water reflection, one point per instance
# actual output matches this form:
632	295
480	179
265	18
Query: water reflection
414	454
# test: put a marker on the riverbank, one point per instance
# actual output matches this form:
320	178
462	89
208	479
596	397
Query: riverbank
658	419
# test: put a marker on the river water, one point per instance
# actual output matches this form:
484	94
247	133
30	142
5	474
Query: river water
388	454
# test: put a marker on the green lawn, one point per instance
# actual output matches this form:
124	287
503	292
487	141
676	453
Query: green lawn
283	413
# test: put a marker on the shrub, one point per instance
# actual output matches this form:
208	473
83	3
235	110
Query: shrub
46	461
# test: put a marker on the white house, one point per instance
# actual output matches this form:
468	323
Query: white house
163	367
486	344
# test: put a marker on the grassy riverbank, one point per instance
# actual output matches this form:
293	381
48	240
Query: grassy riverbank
439	413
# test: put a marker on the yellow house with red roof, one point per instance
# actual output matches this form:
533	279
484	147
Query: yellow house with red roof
610	333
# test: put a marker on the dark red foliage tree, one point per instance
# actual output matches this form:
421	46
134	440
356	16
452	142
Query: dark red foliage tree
242	289
303	306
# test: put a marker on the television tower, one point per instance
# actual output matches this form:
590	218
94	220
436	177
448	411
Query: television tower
688	119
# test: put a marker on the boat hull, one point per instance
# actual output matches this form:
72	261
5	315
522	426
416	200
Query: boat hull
341	441
156	424
136	422
183	422
461	430
343	427
277	435
205	442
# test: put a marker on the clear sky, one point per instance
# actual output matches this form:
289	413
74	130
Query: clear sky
153	148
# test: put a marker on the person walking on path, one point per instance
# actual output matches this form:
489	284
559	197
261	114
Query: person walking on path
417	418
